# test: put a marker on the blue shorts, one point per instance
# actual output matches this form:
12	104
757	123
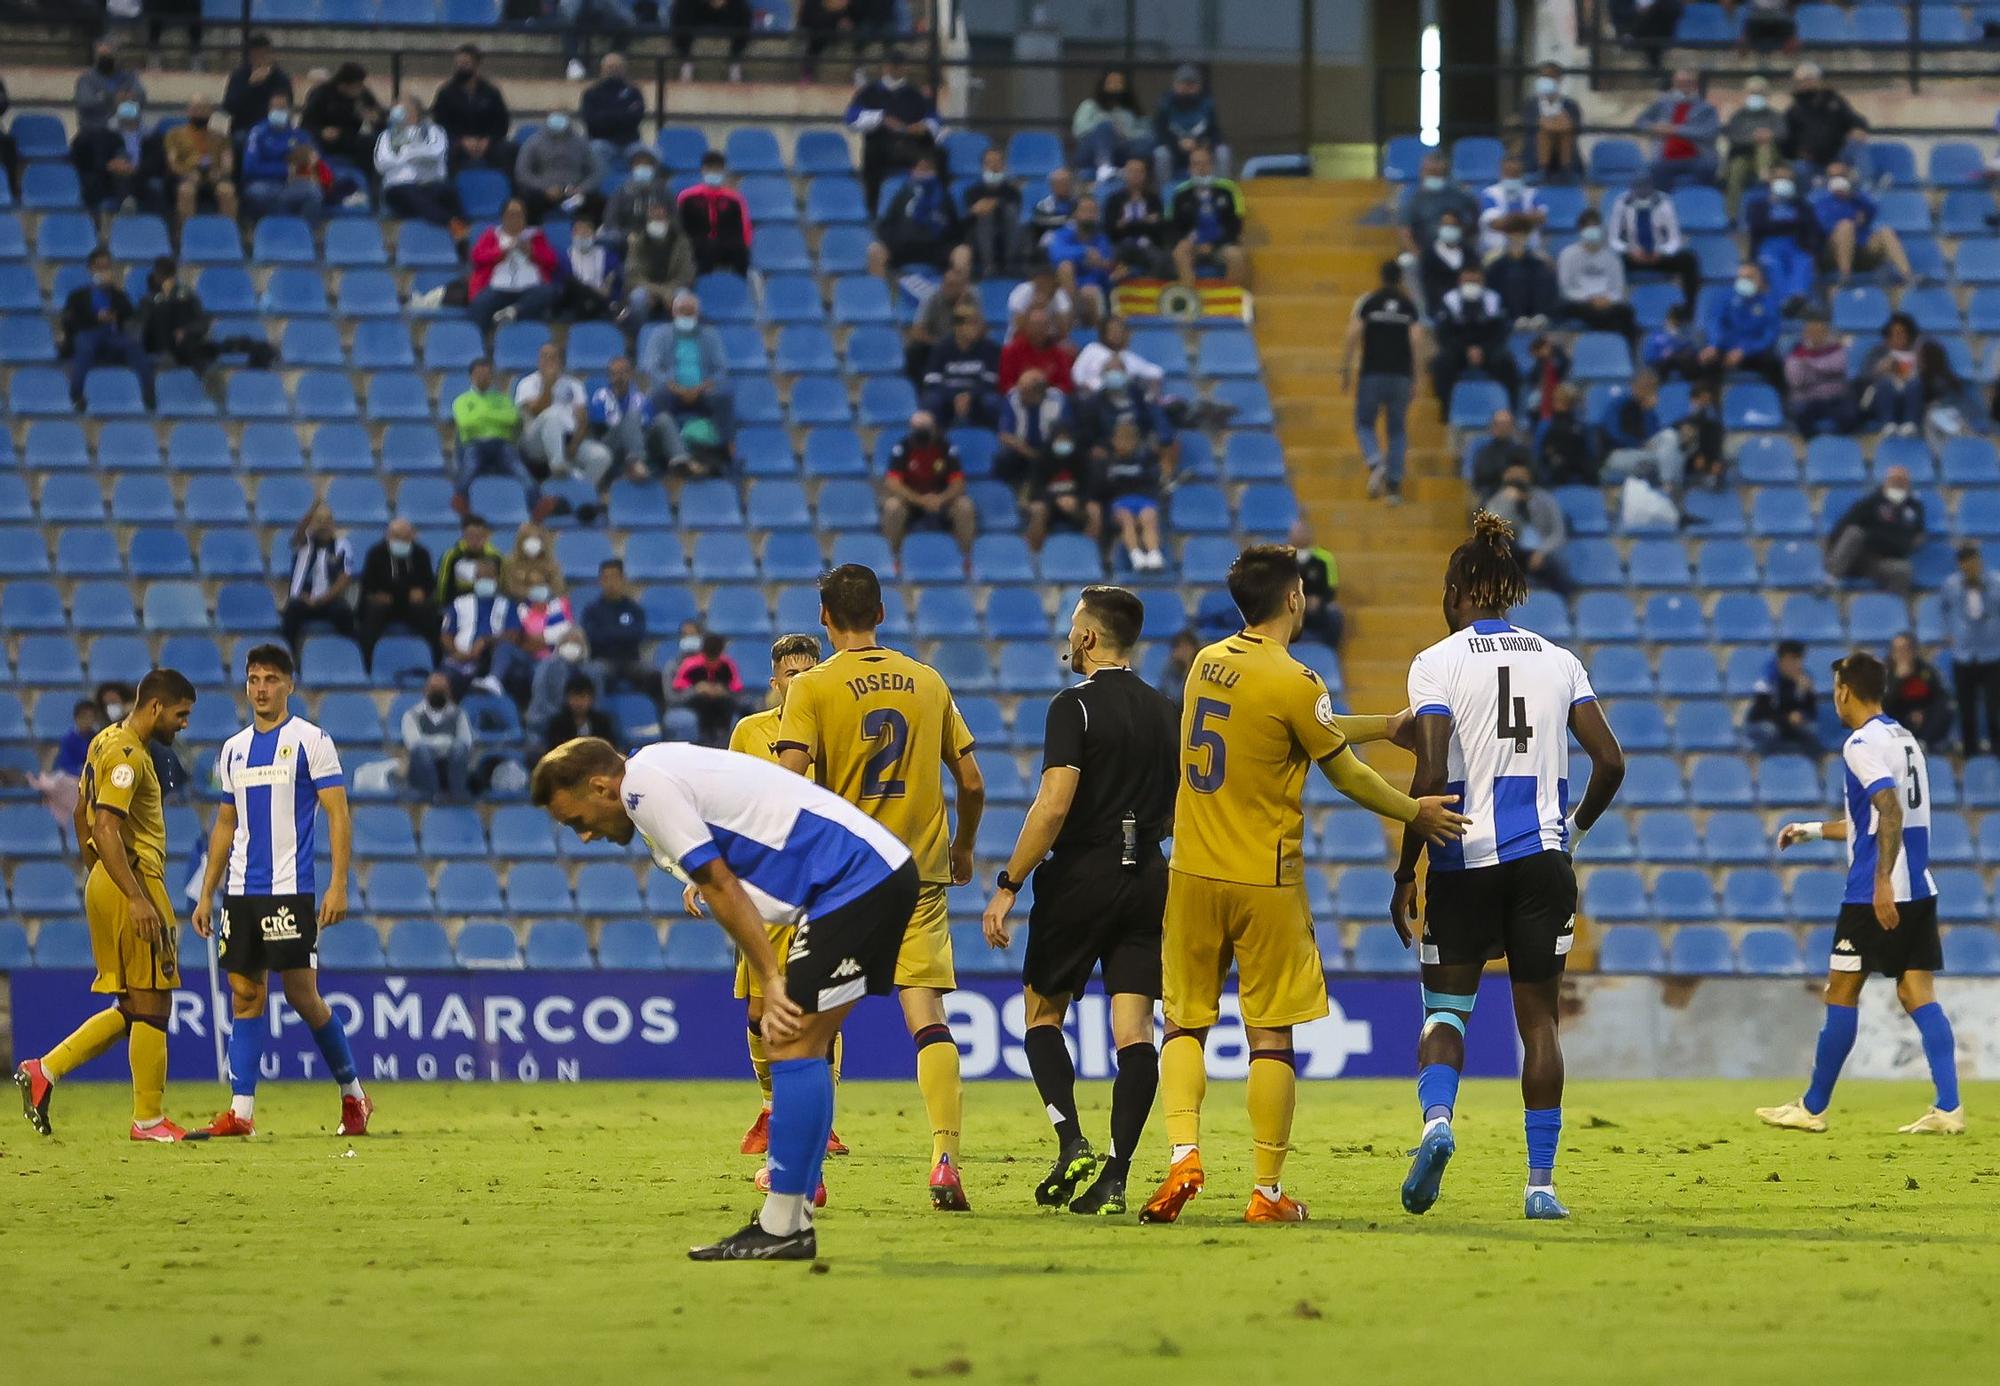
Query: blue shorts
1134	505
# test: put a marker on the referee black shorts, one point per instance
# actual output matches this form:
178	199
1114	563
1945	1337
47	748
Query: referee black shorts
1091	912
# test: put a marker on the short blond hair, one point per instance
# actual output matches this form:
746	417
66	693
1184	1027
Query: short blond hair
570	765
792	646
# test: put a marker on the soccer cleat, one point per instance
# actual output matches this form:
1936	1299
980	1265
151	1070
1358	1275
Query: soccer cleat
763	1183
1182	1183
834	1144
1793	1116
36	1090
226	1123
1542	1205
161	1132
757	1140
1103	1199
1073	1165
354	1114
753	1243
1434	1152
947	1194
1937	1122
1283	1208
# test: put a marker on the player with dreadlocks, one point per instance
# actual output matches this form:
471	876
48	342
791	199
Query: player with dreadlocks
1495	706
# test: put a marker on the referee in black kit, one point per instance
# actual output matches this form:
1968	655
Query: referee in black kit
1109	771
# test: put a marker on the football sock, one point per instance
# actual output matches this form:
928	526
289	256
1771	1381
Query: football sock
146	1046
1836	1038
1437	1091
1274	1090
1183	1084
1544	1127
801	1115
1131	1099
332	1041
817	1173
759	1060
833	1061
1935	1028
1055	1079
84	1043
943	1090
246	1057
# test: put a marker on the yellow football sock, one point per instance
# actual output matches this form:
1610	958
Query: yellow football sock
944	1091
84	1043
833	1059
1183	1084
761	1061
147	1048
1274	1091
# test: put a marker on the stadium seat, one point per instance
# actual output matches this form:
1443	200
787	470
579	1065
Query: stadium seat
698	947
355	948
488	944
1700	950
557	944
1631	949
629	945
419	945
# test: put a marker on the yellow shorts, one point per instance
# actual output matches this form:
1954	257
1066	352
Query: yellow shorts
925	957
1267	930
753	986
126	962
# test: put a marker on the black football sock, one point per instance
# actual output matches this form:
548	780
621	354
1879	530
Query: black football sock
1131	1100
1055	1078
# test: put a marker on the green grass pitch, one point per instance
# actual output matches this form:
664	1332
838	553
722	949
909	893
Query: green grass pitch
536	1234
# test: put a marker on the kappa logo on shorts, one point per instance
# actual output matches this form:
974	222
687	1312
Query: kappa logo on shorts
848	968
800	937
1844	946
281	927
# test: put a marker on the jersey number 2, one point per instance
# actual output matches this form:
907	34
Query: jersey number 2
1202	737
881	777
1514	725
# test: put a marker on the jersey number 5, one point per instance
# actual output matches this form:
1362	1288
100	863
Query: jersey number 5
881	777
1202	737
1916	791
1514	725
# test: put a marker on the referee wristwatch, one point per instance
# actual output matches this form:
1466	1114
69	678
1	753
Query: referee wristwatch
1007	883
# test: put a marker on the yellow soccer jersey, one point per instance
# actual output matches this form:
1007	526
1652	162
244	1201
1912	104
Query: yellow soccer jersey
879	727
1253	721
118	774
757	734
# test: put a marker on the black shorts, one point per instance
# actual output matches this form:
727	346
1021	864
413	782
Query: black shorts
850	952
1091	912
1523	910
1862	945
269	933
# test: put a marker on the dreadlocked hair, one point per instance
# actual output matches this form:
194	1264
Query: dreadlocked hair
1484	568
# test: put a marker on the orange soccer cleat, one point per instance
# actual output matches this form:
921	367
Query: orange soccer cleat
36	1090
1283	1208
947	1193
757	1140
226	1123
1182	1183
763	1182
162	1132
834	1144
354	1114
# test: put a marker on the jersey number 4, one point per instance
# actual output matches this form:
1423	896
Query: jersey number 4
1514	725
1202	737
881	777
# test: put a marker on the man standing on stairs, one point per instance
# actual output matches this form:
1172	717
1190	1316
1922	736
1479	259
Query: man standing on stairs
1387	331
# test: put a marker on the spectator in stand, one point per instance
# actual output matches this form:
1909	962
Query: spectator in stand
489	432
344	116
97	329
1916	695
1443	260
1523	277
716	219
246	98
1785	238
1180	663
1548	368
626	210
1847	216
474	114
993	217
1768	24
1641	440
1784	712
626	434
659	263
1184	121
548	690
691	380
1096	418
1109	128
858	23
1754	133
1041	289
437	737
1471	329
1686	126
920	225
1970	601
1319	575
481	638
1743	330
1644	230
1892	388
10	152
925	486
1129	482
592	274
1029	420
1540	531
413	160
1113	351
1037	346
615	625
86	720
1821	128
1951	405
1701	436
398	589
1648	23
513	271
174	323
200	164
322	571
1501	449
580	716
935	315
1087	265
1510	200
708	683
1136	221
270	179
459	567
1056	489
103	87
117	166
962	386
1876	536
583	19
558	168
898	124
1052	210
1423	211
1673	349
613	110
534	579
1550	124
1208	221
554	409
1590	275
1386	331
727	19
1566	451
1816	382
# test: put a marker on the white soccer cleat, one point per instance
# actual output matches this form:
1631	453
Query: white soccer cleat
1792	1116
1937	1122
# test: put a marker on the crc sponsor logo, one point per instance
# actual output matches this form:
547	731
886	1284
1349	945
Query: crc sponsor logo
280	927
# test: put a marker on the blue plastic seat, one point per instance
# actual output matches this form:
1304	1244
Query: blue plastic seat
1615	893
356	947
59	942
630	945
417	944
1631	949
488	944
355	243
174	606
1666	835
1755	895
1700	950
1653	781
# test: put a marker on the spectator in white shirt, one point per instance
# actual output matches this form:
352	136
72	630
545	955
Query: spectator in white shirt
411	155
323	568
1113	343
1040	290
1510	197
1591	278
1644	230
553	408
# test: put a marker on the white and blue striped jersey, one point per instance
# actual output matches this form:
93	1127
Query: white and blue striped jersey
1881	754
1508	693
800	851
275	778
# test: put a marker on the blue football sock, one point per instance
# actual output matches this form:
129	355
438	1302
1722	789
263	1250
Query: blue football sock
332	1042
819	1147
801	1117
246	1053
1544	1128
1437	1091
1836	1038
1939	1053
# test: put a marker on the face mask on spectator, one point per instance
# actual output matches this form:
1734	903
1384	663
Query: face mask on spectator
1591	235
437	699
539	592
558	123
657	230
280	119
1783	187
486	587
398	117
1547	86
642	174
464	570
128	110
1746	286
1513	187
1756	101
400	548
107	66
571	651
1450	235
690	644
712	178
1839	187
1433	183
1062	447
1895	495
114	710
993	176
1114	380
686	322
531	547
921	436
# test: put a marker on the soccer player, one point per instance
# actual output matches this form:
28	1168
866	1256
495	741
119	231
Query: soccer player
122	830
1888	917
1252	721
281	773
765	847
876	725
1106	801
1495	707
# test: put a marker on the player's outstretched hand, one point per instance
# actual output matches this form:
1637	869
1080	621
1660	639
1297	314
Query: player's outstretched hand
691	900
1403	910
203	917
993	924
961	863
782	1017
1436	821
1886	913
1792	834
333	904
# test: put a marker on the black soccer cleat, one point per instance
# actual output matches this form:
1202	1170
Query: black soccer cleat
753	1243
36	1090
1103	1199
1075	1164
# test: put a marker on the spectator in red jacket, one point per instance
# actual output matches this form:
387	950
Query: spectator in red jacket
925	485
513	271
1037	346
708	684
716	218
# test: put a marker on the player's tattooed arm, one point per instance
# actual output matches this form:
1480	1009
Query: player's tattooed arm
1888	848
